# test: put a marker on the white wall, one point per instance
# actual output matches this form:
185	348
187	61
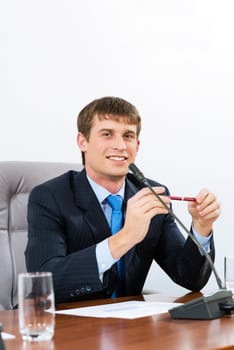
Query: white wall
173	59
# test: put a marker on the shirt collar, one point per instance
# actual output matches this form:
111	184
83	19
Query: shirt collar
101	192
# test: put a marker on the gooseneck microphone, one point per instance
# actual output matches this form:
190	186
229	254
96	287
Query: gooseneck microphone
210	307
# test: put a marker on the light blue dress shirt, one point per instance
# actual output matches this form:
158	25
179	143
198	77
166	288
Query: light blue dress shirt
103	254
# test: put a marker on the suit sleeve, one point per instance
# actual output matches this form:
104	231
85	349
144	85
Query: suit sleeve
75	273
180	258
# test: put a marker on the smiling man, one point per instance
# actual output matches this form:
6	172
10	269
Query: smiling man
73	230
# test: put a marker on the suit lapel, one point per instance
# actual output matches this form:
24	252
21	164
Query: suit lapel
131	256
86	200
130	188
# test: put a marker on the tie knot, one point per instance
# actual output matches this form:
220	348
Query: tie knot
115	201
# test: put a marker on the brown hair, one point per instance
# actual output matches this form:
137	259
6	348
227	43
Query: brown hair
114	108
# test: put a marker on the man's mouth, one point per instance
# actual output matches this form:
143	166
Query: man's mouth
118	158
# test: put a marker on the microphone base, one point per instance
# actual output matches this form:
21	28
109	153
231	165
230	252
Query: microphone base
205	308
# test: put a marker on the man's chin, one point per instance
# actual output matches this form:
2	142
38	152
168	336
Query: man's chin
118	174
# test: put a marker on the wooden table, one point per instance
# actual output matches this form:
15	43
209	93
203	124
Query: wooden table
148	333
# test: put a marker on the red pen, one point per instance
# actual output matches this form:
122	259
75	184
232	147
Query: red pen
186	199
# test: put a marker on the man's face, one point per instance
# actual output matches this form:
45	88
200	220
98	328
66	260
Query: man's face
111	147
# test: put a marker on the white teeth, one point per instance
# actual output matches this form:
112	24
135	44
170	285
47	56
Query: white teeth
117	158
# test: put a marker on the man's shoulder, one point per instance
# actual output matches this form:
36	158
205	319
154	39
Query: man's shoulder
60	183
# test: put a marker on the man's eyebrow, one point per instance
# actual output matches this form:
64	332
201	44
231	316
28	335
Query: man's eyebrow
112	130
130	131
105	129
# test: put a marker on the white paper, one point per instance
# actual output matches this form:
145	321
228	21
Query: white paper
127	309
6	336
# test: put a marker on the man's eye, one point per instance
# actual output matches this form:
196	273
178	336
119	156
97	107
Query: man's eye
129	136
106	133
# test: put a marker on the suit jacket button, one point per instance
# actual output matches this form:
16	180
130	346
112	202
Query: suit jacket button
88	288
72	294
77	292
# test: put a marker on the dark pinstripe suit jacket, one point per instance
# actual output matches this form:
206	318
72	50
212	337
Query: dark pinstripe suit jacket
66	222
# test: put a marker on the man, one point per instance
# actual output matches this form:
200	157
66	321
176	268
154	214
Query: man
70	225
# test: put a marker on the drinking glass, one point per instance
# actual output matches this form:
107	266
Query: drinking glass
36	306
229	272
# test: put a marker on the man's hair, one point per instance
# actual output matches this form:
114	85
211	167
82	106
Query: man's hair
113	108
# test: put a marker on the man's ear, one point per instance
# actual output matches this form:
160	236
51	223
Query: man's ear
138	145
81	141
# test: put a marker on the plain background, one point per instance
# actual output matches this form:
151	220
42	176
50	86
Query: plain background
173	59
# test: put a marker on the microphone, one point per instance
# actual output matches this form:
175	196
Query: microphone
202	308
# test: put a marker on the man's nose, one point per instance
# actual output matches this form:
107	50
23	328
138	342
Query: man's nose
119	143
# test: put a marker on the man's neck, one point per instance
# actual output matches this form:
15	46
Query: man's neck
111	184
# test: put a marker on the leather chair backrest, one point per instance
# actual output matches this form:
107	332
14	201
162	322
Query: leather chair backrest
17	178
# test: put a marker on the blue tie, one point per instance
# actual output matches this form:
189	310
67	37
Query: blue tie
116	202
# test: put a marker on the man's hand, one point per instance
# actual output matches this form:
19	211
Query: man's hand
204	211
141	208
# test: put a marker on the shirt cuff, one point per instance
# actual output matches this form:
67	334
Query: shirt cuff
104	257
204	241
